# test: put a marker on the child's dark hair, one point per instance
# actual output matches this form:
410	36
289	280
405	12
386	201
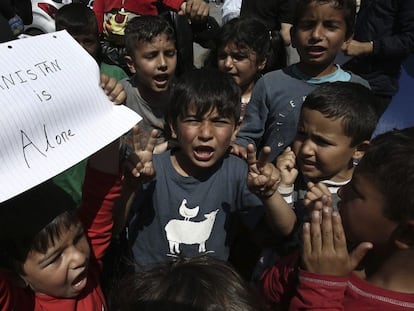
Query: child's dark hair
347	6
352	102
206	89
77	19
143	29
194	284
251	33
389	164
33	221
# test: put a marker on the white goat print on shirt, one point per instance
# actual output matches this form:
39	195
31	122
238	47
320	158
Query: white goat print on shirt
189	232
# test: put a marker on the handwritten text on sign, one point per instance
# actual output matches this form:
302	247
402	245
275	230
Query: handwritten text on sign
53	111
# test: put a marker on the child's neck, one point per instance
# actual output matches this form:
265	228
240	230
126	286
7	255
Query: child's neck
154	99
395	273
246	92
317	71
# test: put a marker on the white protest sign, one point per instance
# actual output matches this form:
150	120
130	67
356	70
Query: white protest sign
53	111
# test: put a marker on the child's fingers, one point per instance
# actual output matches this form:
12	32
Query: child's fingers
103	80
118	94
359	253
315	232
251	155
152	141
326	228
263	157
137	133
306	241
338	232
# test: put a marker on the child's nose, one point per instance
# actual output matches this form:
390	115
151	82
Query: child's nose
162	63
317	32
78	257
228	62
307	147
205	131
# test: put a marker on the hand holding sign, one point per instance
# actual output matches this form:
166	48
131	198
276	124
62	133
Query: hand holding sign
54	112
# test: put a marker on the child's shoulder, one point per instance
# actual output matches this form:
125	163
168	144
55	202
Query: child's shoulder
284	77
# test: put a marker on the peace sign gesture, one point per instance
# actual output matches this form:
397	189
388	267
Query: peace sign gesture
263	177
139	163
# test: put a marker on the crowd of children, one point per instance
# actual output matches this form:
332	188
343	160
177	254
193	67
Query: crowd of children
150	221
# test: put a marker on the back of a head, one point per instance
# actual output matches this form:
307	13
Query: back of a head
144	28
352	102
205	89
77	19
32	219
389	164
194	284
347	6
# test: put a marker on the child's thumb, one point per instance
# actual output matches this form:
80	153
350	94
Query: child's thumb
359	252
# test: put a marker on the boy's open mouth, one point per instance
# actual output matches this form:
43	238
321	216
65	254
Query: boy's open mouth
161	78
79	282
203	153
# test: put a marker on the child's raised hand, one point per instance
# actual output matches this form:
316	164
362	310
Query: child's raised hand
197	11
317	196
139	163
113	89
324	245
239	151
286	163
263	177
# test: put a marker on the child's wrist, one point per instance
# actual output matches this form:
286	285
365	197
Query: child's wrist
286	192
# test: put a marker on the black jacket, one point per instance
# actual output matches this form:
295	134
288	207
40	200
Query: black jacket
389	24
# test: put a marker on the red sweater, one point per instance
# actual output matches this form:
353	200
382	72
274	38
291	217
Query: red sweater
100	191
285	284
141	7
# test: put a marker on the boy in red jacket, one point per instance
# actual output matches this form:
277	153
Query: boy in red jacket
359	258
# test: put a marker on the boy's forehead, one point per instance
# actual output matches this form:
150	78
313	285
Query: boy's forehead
329	9
318	121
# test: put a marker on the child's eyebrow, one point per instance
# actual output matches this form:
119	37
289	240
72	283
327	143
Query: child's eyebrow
49	255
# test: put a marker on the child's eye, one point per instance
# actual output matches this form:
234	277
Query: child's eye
170	53
322	142
221	121
55	259
239	57
151	55
191	121
304	25
331	25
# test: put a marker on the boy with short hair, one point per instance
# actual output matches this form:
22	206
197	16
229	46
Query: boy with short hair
197	188
359	258
335	125
320	29
152	59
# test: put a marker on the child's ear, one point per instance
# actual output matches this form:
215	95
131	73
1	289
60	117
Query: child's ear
360	150
236	130
293	36
262	65
130	63
404	235
173	132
